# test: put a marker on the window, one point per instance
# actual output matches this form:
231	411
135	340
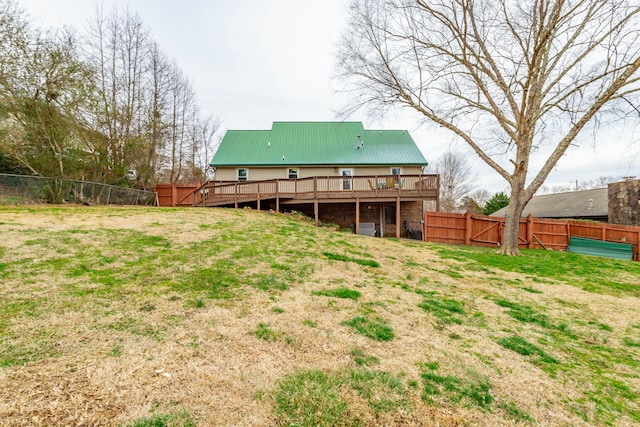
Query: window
293	173
243	174
346	180
396	172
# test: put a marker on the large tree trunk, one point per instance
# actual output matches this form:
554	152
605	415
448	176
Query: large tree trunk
511	228
517	202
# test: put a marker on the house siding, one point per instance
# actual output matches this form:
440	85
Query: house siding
282	172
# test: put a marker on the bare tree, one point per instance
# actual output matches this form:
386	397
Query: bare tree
182	103
456	179
43	98
209	129
14	40
112	109
118	47
481	196
156	89
508	77
203	136
147	111
14	43
600	182
468	204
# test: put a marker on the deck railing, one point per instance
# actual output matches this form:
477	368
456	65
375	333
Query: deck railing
324	187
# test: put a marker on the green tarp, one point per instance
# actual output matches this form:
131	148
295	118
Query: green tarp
581	245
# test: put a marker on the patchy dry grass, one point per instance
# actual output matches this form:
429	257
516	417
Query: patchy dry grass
197	317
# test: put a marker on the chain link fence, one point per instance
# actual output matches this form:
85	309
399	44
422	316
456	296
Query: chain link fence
35	189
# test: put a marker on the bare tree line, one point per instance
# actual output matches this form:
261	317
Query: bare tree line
579	185
458	188
456	180
106	105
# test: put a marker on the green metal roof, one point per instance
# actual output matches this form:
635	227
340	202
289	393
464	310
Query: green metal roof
317	143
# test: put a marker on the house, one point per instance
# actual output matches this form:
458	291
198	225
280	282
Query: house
586	204
338	172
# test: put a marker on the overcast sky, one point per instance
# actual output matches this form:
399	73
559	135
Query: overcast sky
253	62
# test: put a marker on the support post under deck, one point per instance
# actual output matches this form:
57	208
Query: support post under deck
398	217
357	215
315	211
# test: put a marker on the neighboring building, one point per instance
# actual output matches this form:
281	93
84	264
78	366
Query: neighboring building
337	172
624	202
586	204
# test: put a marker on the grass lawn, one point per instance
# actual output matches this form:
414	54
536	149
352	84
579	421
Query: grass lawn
196	317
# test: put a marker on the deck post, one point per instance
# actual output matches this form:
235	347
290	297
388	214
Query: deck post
193	194
424	226
357	215
277	195
258	196
530	225
438	193
315	211
174	193
236	196
398	221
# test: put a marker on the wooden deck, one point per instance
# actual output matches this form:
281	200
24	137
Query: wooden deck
318	190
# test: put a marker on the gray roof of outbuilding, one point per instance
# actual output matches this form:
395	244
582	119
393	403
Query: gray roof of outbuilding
575	204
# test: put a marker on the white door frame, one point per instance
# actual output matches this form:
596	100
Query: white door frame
346	183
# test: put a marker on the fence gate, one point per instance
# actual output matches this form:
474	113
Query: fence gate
480	230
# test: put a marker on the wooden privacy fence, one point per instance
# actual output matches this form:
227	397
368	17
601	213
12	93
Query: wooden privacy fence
480	230
176	194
